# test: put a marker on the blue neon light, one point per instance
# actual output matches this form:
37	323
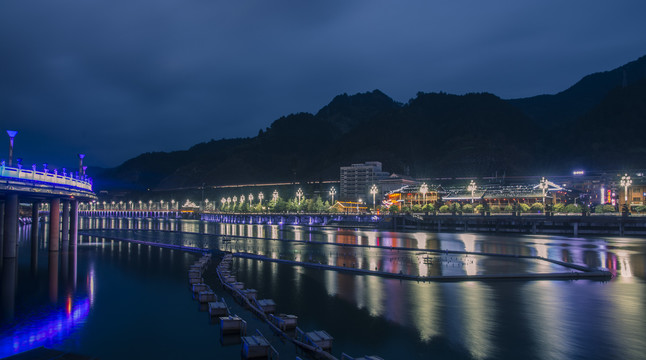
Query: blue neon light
53	329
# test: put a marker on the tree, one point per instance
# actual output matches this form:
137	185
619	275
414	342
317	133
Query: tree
559	208
428	208
318	205
417	208
467	208
455	207
524	207
444	209
292	205
393	209
537	207
572	208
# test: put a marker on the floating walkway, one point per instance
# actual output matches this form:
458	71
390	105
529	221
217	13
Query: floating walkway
264	309
582	271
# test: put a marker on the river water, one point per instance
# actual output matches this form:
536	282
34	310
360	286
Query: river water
121	300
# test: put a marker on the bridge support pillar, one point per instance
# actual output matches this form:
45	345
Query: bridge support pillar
35	219
2	205
65	231
54	224
10	238
74	224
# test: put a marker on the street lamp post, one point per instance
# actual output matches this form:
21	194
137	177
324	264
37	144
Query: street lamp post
12	135
424	189
358	202
250	197
472	187
625	183
332	193
223	201
274	195
373	191
543	185
299	194
81	168
260	197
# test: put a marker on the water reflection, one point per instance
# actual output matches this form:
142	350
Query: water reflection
395	319
9	280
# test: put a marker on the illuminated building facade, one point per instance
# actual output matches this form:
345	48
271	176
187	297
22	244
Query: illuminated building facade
410	195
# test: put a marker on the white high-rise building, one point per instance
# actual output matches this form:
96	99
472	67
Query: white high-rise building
357	179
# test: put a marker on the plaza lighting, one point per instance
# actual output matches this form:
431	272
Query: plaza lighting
332	193
241	200
206	201
228	200
424	189
131	207
223	201
543	185
260	197
358	202
472	187
12	135
250	197
172	204
274	195
150	204
139	204
626	182
299	194
161	203
373	191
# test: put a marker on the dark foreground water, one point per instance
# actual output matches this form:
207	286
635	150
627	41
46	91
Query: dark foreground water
119	300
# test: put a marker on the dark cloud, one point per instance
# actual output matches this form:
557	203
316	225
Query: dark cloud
117	78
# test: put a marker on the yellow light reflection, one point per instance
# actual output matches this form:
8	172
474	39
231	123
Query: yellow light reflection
469	241
477	319
623	260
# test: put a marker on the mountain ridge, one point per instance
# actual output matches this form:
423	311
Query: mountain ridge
433	134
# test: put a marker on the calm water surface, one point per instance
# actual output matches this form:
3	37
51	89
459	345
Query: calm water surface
119	300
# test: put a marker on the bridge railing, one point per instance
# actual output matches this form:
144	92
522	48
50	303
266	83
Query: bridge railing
45	177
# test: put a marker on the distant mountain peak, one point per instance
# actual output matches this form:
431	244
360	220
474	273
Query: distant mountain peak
345	111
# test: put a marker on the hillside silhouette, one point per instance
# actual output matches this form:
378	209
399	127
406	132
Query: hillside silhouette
595	124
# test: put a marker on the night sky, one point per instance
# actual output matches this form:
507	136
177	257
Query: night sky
117	78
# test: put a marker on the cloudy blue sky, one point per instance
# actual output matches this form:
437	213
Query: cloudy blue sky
117	78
